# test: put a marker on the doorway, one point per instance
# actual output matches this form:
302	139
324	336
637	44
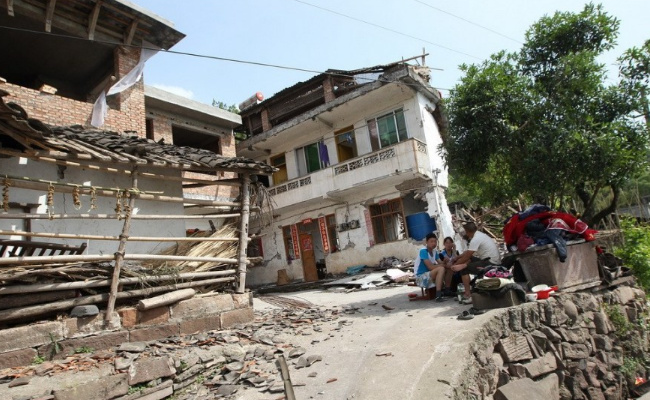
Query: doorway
308	257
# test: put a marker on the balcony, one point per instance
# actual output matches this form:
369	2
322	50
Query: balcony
388	166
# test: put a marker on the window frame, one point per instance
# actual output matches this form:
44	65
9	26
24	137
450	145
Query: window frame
302	162
287	238
401	135
277	181
379	219
333	244
338	134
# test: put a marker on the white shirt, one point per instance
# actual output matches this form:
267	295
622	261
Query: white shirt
483	247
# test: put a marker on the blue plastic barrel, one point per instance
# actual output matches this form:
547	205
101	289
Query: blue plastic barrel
419	225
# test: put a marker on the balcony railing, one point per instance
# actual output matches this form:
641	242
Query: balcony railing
352	165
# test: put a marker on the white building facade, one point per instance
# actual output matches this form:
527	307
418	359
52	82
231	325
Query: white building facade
360	176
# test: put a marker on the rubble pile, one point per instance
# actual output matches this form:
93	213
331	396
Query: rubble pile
213	364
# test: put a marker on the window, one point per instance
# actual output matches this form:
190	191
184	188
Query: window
255	248
330	221
387	130
308	159
279	162
288	243
388	221
346	145
149	128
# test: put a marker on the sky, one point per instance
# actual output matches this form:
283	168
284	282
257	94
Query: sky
301	34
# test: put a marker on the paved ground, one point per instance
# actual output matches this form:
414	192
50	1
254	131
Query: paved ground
426	341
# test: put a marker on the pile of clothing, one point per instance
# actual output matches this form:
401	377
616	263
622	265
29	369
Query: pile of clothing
538	225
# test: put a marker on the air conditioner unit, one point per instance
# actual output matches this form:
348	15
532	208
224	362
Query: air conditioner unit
343	227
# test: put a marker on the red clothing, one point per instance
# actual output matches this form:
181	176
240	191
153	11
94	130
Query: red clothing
514	228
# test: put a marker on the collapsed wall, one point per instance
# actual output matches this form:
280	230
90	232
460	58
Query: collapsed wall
571	346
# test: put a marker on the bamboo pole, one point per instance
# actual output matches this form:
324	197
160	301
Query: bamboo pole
286	378
121	248
131	238
150	175
243	231
52	287
110	192
116	216
128	257
25	312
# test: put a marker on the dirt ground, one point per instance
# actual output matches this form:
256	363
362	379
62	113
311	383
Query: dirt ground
411	351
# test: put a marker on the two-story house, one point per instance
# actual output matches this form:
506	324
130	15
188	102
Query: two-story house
359	173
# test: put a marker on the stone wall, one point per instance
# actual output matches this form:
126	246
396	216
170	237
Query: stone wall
57	339
572	346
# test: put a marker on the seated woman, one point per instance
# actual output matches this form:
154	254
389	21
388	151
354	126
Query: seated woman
426	267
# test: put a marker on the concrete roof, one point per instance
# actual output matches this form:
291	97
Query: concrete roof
170	102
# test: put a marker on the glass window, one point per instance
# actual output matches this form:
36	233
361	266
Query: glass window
387	130
388	221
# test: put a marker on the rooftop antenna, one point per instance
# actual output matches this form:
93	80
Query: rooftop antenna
424	56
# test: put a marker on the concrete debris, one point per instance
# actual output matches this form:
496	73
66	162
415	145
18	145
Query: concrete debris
213	364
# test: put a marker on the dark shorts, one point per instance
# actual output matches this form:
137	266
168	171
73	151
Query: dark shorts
475	266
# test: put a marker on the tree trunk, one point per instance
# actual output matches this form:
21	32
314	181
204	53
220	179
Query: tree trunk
607	210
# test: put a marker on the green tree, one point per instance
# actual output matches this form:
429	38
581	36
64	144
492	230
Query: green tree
543	123
231	108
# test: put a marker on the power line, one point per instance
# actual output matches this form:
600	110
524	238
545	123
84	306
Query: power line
468	21
386	28
205	56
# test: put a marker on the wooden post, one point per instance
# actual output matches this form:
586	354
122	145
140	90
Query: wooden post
119	254
243	230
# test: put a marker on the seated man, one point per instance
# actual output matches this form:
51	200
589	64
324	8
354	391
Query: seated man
448	255
481	252
426	266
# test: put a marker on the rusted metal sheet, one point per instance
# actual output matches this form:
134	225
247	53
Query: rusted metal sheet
580	270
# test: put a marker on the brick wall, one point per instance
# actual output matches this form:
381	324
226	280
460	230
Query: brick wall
128	115
162	128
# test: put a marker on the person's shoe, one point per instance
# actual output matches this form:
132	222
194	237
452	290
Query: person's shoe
466	300
440	299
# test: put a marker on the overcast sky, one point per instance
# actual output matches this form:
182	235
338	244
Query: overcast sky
294	34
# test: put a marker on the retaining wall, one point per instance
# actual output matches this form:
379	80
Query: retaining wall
572	346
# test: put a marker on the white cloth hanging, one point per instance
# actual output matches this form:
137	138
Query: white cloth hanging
100	109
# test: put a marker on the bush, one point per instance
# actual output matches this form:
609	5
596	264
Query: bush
635	251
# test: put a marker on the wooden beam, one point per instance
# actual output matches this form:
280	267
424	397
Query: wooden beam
243	233
10	7
12	261
51	287
25	312
92	20
128	37
49	14
116	216
131	238
59	155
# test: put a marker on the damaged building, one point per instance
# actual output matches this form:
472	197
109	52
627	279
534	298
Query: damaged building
359	173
